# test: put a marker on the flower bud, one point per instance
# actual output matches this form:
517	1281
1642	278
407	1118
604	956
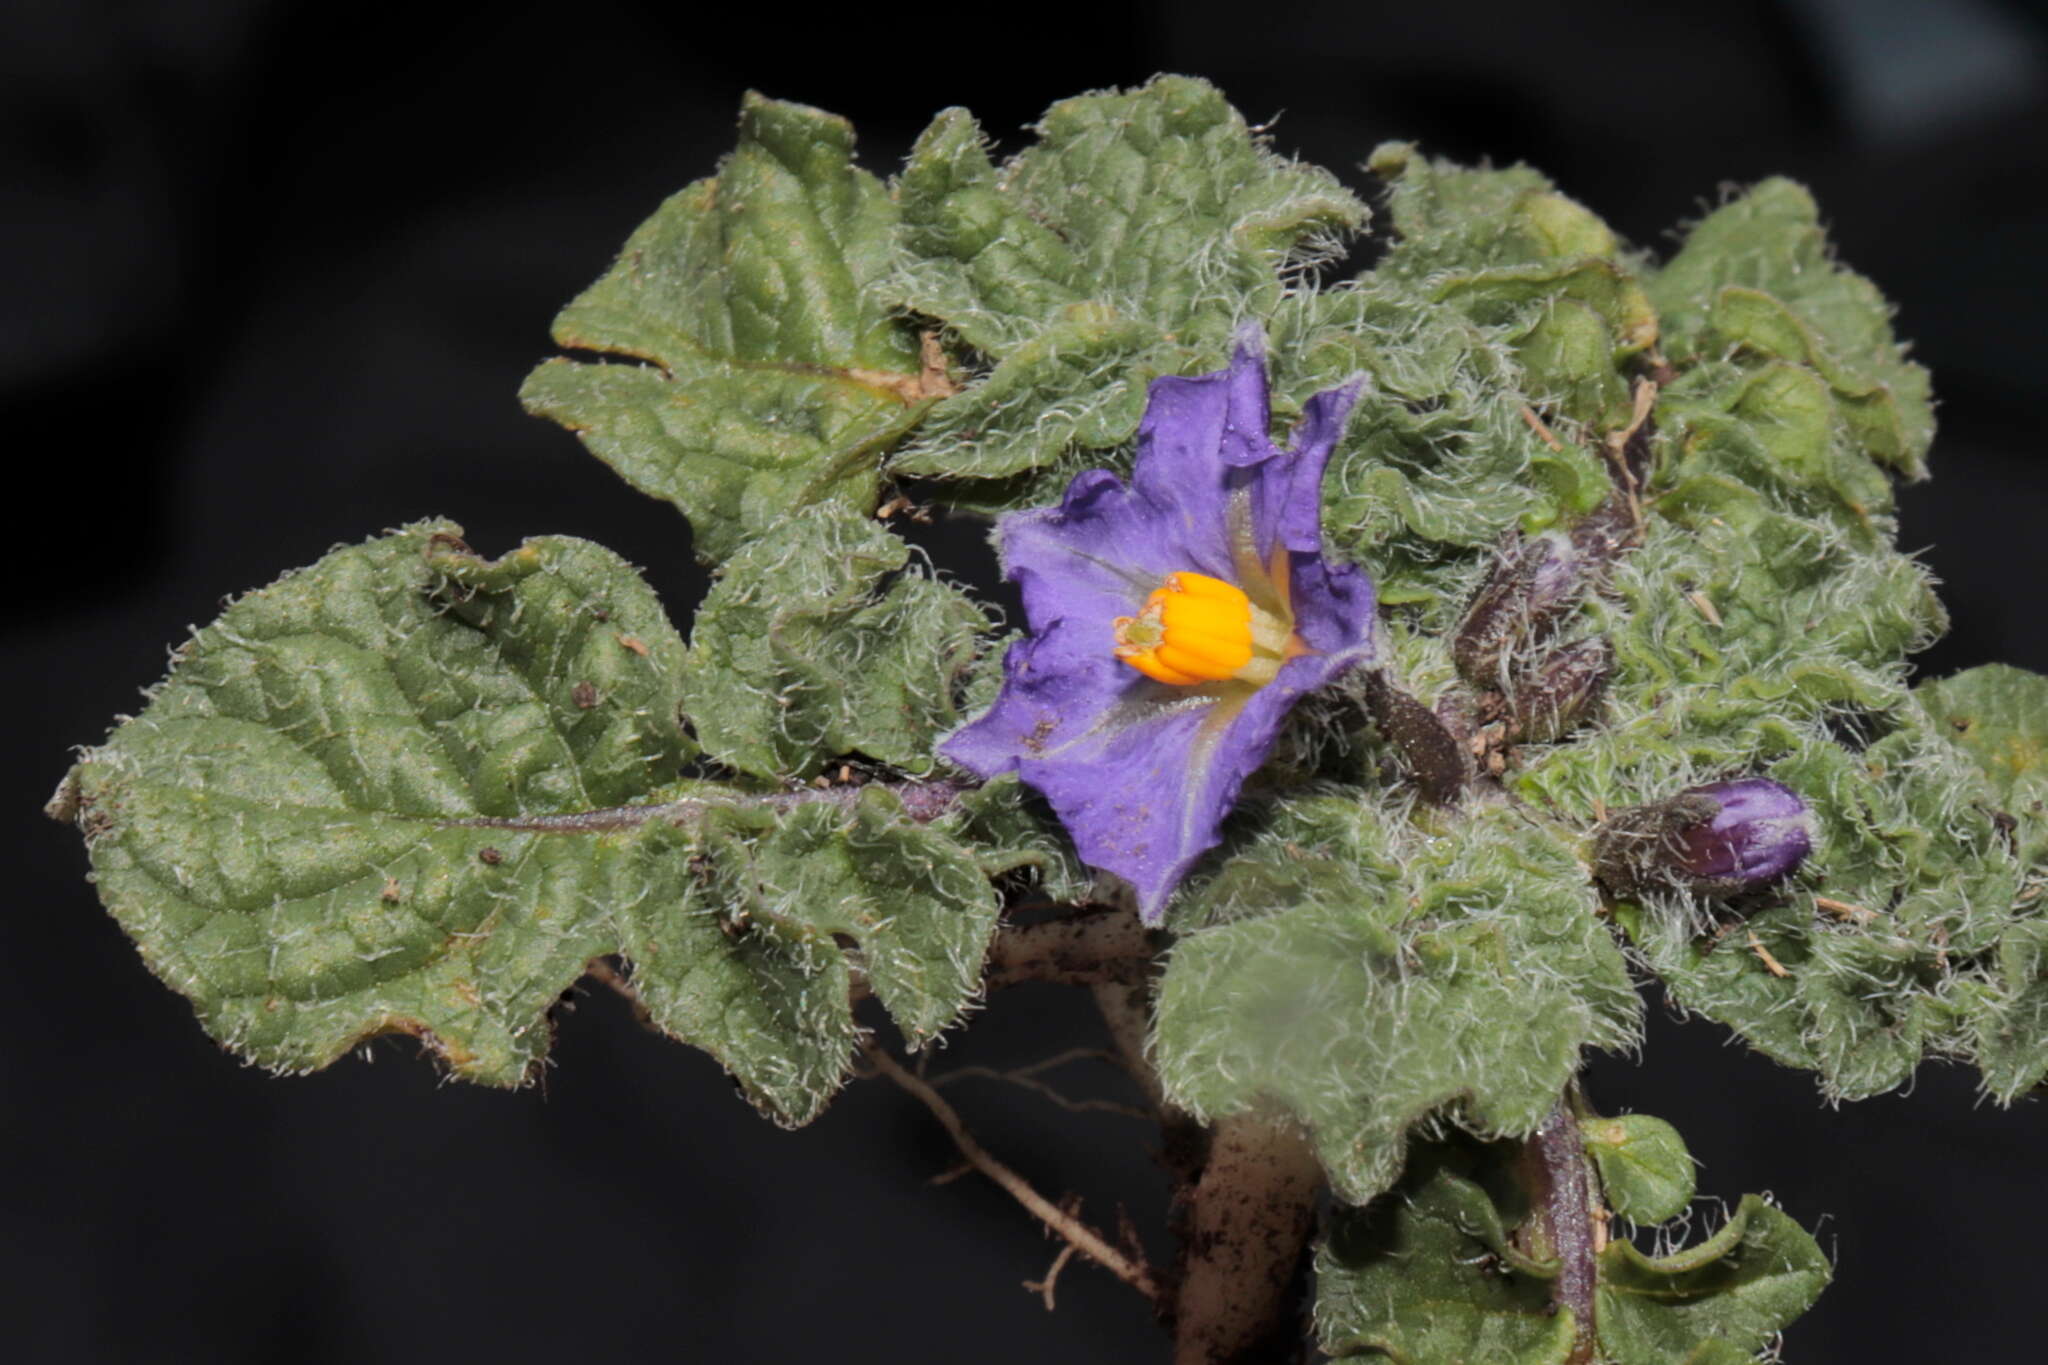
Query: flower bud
1560	691
1521	601
1439	765
1720	839
1531	590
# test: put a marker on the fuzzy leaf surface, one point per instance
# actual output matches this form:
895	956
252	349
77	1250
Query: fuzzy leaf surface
819	640
1745	634
761	369
1432	1272
1757	277
1499	300
1645	1170
1998	715
410	790
1363	980
1423	1278
1124	244
1738	1288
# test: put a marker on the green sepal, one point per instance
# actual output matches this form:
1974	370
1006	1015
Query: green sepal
820	640
1738	1288
775	375
1646	1173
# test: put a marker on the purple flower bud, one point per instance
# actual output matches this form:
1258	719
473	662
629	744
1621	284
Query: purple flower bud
1720	839
1762	832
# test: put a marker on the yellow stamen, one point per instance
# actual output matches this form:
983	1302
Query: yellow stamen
1197	629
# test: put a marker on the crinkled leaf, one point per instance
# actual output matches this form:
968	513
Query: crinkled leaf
1757	276
1498	297
775	375
1126	243
1870	959
916	902
819	640
1366	978
1437	462
1431	1273
1016	835
2009	1008
1426	1276
1645	1171
1503	245
411	790
1739	1287
1080	381
1998	715
1775	426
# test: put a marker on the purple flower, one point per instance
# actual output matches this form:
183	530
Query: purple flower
1173	623
1720	839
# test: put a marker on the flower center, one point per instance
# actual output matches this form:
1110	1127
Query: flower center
1197	629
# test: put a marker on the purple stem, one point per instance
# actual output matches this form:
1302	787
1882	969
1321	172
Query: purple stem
1560	1184
922	801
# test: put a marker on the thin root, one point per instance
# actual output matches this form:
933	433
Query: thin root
1043	1288
1064	1225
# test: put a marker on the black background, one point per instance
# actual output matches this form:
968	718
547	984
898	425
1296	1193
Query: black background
272	274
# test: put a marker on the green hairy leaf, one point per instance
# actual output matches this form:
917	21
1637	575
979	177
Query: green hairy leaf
1644	1168
1730	1294
774	375
1125	244
1998	716
1756	277
1499	301
1434	1272
1366	976
1427	1276
816	642
410	790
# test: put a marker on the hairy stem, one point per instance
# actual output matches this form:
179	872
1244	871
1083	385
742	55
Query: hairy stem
1556	1174
921	801
1070	1229
1249	1220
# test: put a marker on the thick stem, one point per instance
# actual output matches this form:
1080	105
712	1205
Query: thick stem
1125	1012
1249	1221
1091	946
1183	1142
1560	1183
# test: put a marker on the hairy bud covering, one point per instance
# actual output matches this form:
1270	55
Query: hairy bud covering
1720	839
